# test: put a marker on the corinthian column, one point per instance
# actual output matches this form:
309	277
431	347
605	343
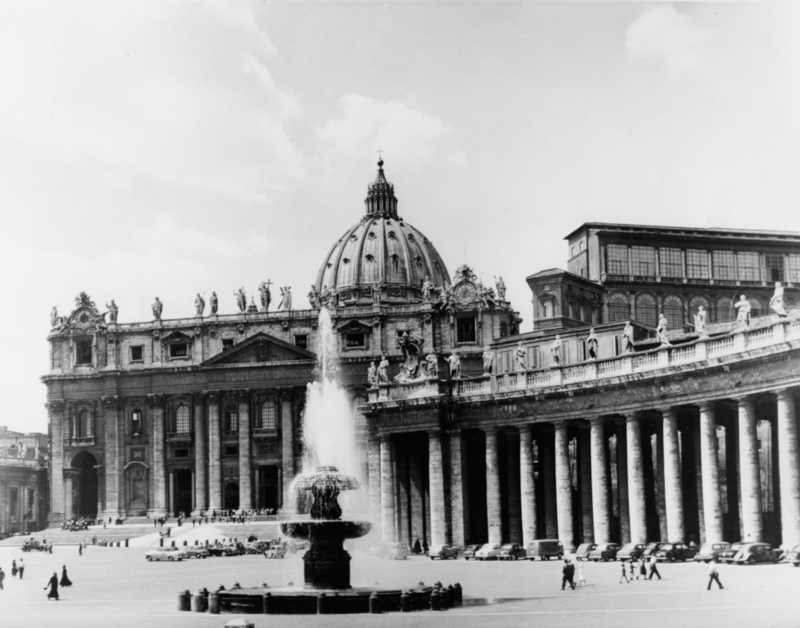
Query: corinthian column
789	467
214	470
200	466
752	529
493	513
287	442
585	483
563	488
622	482
602	520
527	484
159	502
245	468
673	490
113	414
436	480
458	493
387	490
709	469
55	409
636	496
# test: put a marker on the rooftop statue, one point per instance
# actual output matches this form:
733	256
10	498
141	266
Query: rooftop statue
555	350
383	371
214	303
241	299
113	310
427	289
158	307
700	322
376	292
661	331
286	298
776	302
743	308
432	365
519	354
410	346
627	338
591	344
313	298
455	366
488	360
372	375
265	295
501	288
199	305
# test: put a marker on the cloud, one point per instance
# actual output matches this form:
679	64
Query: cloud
674	38
365	124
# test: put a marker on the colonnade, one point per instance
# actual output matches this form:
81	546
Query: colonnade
561	478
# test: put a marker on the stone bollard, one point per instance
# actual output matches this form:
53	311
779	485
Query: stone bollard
213	603
172	543
458	599
184	600
405	602
126	542
322	604
185	543
196	542
117	543
161	542
374	604
199	602
267	604
449	597
436	600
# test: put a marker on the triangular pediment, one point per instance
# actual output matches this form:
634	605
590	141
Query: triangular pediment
259	349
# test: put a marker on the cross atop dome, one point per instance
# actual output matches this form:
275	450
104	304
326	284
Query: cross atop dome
381	200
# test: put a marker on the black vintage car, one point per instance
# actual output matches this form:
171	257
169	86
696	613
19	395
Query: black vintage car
231	549
673	552
31	545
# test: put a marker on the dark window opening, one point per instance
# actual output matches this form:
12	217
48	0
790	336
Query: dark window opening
83	352
465	330
179	350
301	340
181	453
503	330
136	423
137	354
774	264
231	450
227	343
355	340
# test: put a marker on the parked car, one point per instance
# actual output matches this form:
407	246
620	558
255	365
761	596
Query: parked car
488	551
229	549
469	552
751	553
397	551
195	552
512	551
443	552
793	556
651	549
30	546
631	551
544	549
604	552
710	551
257	547
672	552
166	553
583	550
275	550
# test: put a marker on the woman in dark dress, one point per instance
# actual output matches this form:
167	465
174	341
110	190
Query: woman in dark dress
53	584
13	568
65	581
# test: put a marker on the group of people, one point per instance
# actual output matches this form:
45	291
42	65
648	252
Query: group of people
54	583
76	525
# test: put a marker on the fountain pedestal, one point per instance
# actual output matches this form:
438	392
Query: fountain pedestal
327	564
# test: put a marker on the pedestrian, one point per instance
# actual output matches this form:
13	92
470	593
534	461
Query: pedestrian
21	568
13	568
581	578
653	568
65	581
713	575
567	575
2	577
80	549
53	584
633	568
642	568
624	575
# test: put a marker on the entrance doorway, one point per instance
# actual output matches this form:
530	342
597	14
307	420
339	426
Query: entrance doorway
182	488
270	494
84	485
232	496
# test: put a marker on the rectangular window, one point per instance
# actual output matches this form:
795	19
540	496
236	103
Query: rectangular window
465	329
181	453
179	350
231	422
301	340
231	450
643	261
137	354
534	359
696	264
794	268
670	262
723	265
83	352
355	340
616	259
774	265
227	343
617	345
749	267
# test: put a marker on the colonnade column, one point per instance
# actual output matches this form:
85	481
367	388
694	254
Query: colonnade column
436	483
158	504
493	508
622	482
200	458
673	489
750	476
287	442
245	468
69	502
56	412
387	490
527	484
789	467
636	497
457	491
546	444
214	469
585	482
374	462
709	472
563	487
602	520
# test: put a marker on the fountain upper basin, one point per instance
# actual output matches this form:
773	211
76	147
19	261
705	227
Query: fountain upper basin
329	528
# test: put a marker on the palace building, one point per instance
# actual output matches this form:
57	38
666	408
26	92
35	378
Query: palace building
23	482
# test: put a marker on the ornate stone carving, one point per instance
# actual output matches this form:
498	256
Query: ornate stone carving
156	400
112	402
55	406
263	350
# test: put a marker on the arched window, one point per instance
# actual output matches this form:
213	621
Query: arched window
83	428
183	419
694	305
725	313
755	307
646	310
673	310
359	405
269	416
231	422
619	308
137	424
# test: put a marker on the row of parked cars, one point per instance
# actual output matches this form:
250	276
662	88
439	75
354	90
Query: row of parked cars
270	549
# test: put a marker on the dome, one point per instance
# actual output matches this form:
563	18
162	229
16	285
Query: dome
381	251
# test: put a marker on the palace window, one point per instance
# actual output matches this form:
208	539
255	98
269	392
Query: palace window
355	340
670	262
231	422
465	329
616	259
618	308
183	420
137	353
794	268
231	451
178	350
301	340
673	310
83	426
547	309
774	266
696	264
534	358
724	310
180	453
137	425
749	267
227	343
646	310
723	265
643	260
268	418
83	352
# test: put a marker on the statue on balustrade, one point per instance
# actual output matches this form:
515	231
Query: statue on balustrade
313	298
776	302
199	305
376	292
113	310
286	299
214	303
241	299
427	289
265	294
700	322
455	366
432	363
383	371
592	344
324	296
743	308
519	354
501	288
555	349
53	317
372	375
661	331
627	338
158	307
410	346
488	360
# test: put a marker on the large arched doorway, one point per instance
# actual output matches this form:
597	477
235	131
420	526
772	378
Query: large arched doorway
84	485
232	496
182	504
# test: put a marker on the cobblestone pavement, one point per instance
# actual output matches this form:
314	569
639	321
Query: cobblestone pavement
117	587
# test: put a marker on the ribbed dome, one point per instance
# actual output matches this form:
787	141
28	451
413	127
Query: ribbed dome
381	249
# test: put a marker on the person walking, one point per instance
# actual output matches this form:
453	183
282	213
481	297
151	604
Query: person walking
65	581
624	574
642	568
713	575
653	568
567	575
80	549
2	577
632	566
581	578
53	584
21	568
13	568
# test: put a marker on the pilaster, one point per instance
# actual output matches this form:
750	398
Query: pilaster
159	497
214	467
245	465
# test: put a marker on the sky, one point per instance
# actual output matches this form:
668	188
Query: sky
169	148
